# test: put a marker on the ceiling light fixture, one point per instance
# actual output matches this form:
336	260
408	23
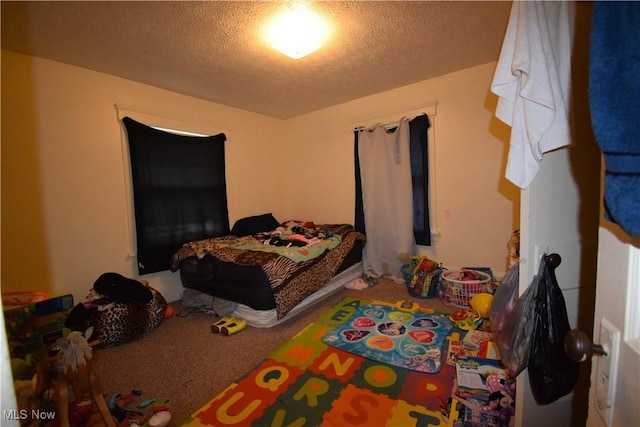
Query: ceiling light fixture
297	32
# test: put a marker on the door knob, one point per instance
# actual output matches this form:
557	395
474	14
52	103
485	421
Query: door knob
579	347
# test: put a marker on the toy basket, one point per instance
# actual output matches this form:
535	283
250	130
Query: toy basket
421	285
460	292
23	297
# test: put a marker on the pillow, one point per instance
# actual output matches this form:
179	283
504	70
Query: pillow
254	224
122	289
117	322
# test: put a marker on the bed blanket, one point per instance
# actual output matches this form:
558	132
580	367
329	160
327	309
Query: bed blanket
294	253
290	281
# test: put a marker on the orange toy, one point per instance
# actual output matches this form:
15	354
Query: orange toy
168	311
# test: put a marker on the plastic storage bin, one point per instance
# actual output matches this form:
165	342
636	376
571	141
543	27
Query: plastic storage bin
460	292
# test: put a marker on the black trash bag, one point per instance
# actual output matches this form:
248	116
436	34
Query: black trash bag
552	374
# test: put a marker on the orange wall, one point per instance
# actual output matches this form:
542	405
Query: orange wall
64	195
65	211
477	208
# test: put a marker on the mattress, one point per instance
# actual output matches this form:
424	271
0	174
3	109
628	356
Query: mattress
240	283
269	318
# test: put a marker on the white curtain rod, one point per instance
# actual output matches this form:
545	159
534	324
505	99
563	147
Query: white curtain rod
394	120
386	125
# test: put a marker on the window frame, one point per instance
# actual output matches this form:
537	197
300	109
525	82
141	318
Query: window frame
167	124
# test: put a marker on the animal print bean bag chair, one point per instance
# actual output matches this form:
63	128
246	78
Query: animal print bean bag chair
119	309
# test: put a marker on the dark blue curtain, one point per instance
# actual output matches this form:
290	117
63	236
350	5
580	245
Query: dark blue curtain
179	191
419	149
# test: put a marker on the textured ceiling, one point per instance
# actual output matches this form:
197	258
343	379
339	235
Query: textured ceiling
214	50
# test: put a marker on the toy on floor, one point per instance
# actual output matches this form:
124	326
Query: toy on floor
229	325
169	311
466	319
482	304
130	410
160	419
118	406
80	411
408	306
146	403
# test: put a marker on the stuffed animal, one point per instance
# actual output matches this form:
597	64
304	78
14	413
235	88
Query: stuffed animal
75	350
507	409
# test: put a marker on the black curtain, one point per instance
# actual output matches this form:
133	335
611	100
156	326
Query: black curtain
419	149
179	191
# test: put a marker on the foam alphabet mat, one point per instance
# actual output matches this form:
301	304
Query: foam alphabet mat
306	382
410	340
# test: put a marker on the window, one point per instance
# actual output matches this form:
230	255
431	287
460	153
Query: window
421	178
179	191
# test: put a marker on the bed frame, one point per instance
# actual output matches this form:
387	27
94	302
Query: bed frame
269	318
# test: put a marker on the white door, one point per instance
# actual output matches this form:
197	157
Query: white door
615	379
556	211
557	215
560	213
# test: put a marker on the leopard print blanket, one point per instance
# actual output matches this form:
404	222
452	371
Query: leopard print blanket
291	282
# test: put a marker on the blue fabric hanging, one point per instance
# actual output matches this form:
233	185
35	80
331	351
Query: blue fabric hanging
614	97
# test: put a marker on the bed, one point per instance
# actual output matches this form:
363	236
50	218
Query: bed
269	270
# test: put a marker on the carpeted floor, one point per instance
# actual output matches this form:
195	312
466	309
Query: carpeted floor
186	363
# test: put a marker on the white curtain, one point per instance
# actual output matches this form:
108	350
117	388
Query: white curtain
385	169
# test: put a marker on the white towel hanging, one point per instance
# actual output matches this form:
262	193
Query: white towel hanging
532	80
